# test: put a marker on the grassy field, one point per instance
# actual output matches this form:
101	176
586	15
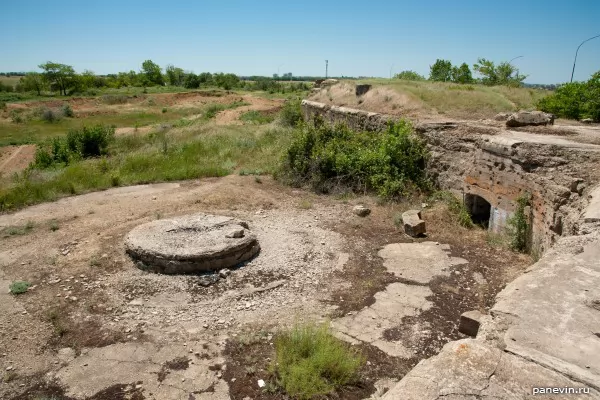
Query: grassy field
201	149
461	101
36	131
10	80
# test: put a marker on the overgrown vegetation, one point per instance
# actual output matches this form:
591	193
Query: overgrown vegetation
518	225
577	100
256	117
389	163
310	362
14	230
19	287
291	113
79	144
169	154
455	206
409	76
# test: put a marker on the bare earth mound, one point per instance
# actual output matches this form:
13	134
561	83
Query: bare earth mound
195	243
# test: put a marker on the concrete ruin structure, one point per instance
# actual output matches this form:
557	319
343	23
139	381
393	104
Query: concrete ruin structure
544	330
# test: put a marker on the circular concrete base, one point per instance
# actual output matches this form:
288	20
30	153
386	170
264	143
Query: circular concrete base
193	243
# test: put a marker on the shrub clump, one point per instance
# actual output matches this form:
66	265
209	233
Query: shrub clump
518	225
291	113
78	144
577	100
390	163
19	287
310	361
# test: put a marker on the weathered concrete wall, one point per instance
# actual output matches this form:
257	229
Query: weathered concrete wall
480	161
355	119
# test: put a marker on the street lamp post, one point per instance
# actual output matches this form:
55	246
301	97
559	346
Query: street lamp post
514	59
576	51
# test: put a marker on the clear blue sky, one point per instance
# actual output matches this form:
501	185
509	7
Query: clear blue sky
261	37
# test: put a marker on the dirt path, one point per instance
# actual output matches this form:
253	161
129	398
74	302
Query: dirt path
232	117
16	158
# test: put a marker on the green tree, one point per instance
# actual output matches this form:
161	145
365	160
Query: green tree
205	78
152	73
175	76
462	74
59	76
32	82
226	81
409	76
441	71
501	74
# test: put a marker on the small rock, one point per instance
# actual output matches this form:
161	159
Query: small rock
501	116
219	375
261	383
529	118
469	323
235	233
361	211
9	368
153	197
413	224
224	273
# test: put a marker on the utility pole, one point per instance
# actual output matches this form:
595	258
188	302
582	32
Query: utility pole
576	51
326	67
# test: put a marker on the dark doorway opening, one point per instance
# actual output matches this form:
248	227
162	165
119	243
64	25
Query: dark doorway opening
479	208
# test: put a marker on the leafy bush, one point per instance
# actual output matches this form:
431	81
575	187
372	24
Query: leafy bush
310	361
83	143
576	100
50	115
67	111
409	76
17	116
390	162
518	225
291	113
19	287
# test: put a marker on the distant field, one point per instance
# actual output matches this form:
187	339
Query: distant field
10	80
432	99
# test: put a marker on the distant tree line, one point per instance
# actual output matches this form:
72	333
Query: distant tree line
62	79
490	73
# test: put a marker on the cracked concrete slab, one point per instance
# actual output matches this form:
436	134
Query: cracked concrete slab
552	321
474	370
140	363
397	301
418	262
592	212
415	262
